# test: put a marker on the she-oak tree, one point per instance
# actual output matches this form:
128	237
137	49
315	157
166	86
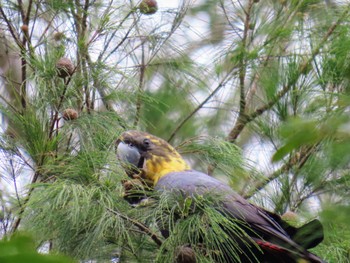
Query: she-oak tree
254	92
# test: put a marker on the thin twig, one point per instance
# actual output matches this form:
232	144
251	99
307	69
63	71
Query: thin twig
242	62
241	123
222	83
23	88
35	178
107	43
242	71
298	159
13	108
21	9
11	29
48	26
13	175
27	15
55	118
139	225
25	20
25	202
141	87
121	41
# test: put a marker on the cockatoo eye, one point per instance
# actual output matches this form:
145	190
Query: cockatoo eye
146	142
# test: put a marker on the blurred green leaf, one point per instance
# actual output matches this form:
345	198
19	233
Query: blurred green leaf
21	249
296	133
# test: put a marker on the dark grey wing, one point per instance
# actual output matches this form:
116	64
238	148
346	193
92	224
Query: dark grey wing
194	182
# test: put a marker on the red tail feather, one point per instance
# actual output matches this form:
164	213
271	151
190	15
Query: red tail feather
270	246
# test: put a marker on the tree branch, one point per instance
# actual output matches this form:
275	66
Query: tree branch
25	20
25	202
141	86
21	9
298	159
11	29
242	122
189	116
139	225
242	62
62	97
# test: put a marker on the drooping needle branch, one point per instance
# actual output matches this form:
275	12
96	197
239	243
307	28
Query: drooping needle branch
139	225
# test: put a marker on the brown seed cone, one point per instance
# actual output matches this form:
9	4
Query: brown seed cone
148	7
64	67
185	254
24	28
70	114
58	36
290	217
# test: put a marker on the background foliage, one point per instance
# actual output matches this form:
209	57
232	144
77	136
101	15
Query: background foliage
254	92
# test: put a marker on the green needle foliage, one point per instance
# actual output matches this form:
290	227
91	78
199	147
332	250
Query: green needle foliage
196	222
253	92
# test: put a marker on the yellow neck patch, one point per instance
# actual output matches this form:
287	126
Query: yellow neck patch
156	167
160	158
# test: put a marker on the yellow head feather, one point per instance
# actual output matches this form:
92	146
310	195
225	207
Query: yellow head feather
160	158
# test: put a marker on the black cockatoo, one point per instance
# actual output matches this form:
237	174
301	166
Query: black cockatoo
160	164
